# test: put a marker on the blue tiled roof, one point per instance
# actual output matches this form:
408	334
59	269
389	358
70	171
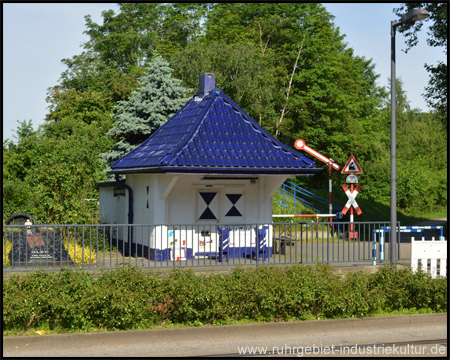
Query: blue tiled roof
213	135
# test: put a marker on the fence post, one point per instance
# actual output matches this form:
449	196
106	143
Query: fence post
374	247
382	246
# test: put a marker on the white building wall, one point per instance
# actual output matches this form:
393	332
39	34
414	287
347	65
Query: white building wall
111	207
143	198
172	200
185	205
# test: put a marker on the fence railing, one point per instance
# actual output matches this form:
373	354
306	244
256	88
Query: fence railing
101	246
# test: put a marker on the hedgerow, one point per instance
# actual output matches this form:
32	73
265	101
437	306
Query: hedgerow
130	298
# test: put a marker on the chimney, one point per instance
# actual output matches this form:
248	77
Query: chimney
207	82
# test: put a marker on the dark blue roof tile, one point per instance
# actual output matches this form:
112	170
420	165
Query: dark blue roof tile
213	135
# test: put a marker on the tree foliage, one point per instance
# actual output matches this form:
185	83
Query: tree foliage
421	166
53	177
125	39
240	70
436	91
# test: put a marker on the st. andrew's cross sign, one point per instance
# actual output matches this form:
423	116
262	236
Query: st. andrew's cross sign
351	199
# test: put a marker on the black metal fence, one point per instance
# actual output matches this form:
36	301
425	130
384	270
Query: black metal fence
104	246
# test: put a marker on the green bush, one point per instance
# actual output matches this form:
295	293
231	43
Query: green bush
130	298
403	289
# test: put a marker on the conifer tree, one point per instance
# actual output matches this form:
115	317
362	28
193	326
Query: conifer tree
158	98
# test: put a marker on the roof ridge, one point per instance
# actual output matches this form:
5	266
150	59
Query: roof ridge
264	132
172	156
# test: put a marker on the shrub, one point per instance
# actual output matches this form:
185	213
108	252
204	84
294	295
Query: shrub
404	289
89	255
129	298
7	246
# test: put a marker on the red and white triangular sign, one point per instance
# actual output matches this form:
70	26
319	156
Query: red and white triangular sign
351	167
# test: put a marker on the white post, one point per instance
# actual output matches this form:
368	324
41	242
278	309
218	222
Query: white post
433	264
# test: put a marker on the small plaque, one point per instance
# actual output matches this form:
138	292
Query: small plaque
351	179
42	245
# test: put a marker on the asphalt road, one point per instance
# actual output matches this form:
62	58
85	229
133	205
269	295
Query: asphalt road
409	335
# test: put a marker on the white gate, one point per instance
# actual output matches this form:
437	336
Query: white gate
432	251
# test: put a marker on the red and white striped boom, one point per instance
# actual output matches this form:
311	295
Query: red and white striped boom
304	215
300	145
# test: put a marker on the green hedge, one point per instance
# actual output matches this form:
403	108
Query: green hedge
129	298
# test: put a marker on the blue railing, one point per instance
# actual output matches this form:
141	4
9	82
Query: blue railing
291	191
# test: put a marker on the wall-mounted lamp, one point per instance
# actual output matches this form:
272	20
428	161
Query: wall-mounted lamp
119	191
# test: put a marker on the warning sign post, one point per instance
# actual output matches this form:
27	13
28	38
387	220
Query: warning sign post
351	204
351	167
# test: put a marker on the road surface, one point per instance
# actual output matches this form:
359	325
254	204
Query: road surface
408	335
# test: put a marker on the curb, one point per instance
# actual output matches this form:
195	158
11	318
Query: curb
233	331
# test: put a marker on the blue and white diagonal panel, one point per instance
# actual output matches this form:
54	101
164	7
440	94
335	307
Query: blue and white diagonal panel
207	208
233	203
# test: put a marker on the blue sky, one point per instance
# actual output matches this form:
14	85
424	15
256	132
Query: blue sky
36	36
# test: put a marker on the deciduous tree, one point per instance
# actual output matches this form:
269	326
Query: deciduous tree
436	91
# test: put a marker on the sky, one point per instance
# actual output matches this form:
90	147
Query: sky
37	36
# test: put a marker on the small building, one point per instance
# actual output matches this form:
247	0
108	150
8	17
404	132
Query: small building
208	171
